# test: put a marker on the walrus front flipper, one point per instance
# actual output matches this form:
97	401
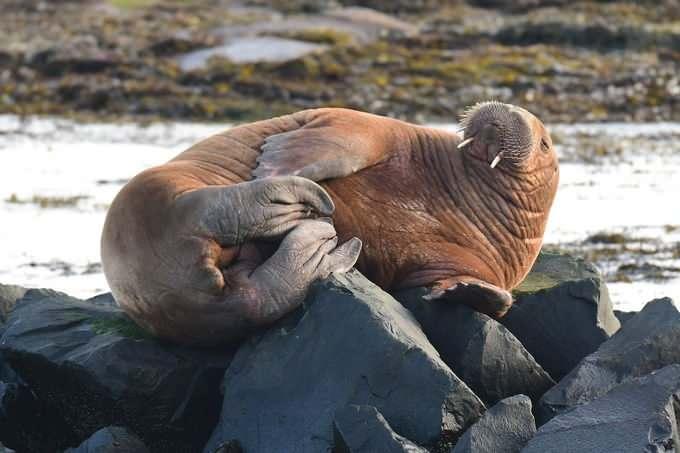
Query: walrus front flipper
308	253
331	143
483	297
258	209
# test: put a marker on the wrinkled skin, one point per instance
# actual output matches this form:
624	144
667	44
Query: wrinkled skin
199	252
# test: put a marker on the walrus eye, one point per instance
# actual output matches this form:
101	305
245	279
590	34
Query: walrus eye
544	145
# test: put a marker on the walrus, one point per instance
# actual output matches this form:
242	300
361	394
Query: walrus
228	236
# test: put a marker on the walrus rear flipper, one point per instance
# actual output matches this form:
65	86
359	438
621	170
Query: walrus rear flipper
332	143
483	297
308	253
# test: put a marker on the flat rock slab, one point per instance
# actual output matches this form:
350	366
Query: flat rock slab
504	428
112	439
639	415
648	341
482	352
251	50
91	367
283	39
362	429
354	344
562	312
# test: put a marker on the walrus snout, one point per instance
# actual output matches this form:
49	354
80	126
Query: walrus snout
495	131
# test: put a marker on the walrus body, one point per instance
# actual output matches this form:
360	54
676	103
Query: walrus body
467	222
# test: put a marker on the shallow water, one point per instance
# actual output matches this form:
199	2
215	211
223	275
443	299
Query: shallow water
58	178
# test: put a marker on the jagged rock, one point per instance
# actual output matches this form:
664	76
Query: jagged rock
483	353
354	344
362	429
562	312
624	316
647	342
111	439
9	294
504	428
91	367
639	415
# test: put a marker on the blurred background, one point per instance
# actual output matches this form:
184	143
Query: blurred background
94	91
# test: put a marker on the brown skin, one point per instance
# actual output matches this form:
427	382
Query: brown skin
428	214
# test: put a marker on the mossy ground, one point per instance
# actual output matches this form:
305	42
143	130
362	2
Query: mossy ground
119	62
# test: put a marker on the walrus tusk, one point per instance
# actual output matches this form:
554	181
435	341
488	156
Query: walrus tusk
496	160
465	142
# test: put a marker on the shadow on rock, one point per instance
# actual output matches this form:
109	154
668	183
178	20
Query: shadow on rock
90	367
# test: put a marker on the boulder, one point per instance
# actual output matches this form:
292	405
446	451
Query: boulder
562	312
624	316
362	429
90	367
647	342
505	428
639	415
483	353
353	344
112	439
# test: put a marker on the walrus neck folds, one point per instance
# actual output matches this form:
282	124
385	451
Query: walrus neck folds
508	203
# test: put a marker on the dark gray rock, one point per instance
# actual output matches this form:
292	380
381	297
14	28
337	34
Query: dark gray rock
112	439
624	316
562	312
354	344
90	367
483	353
9	294
504	428
649	341
639	415
362	429
20	413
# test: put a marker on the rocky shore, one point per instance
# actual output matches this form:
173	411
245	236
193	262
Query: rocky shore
421	60
353	370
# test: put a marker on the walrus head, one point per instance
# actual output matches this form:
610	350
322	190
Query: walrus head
505	135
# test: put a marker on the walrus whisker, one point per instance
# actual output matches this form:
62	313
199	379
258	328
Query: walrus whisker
465	142
496	160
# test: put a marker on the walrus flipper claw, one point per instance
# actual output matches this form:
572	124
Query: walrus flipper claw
308	253
258	209
483	297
